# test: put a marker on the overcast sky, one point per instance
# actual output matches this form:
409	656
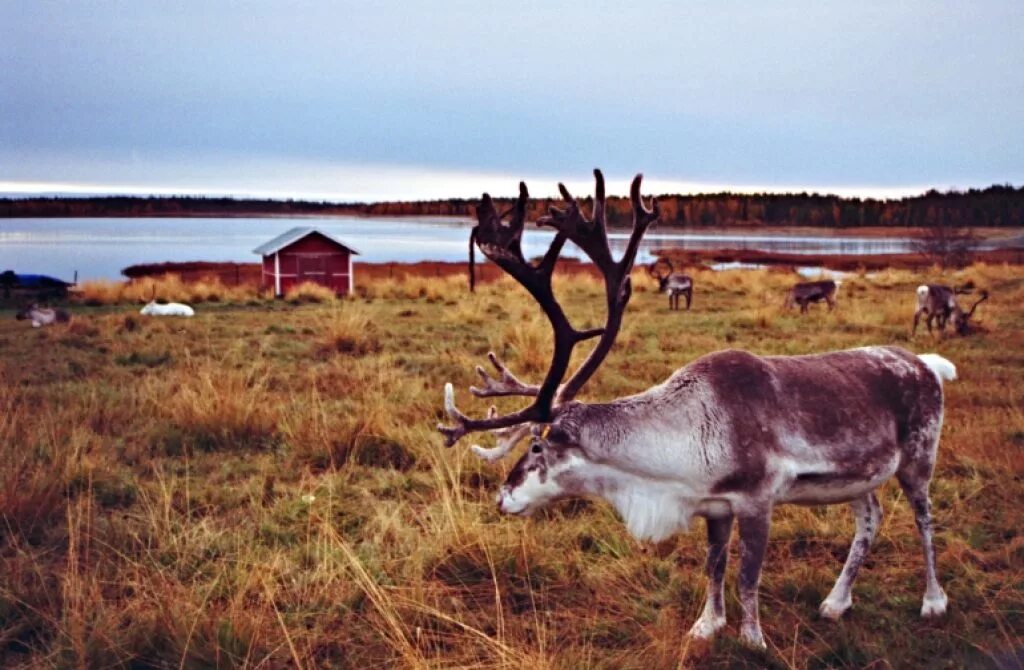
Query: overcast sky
371	100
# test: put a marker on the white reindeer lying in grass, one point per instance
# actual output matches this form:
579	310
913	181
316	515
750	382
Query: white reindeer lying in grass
153	308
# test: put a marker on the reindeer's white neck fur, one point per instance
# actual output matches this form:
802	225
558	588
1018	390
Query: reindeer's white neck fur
652	509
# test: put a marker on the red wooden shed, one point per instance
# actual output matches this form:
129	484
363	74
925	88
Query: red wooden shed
305	254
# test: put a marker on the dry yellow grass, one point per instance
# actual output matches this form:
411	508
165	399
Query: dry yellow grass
165	288
262	486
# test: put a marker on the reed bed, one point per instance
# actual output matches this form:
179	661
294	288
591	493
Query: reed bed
262	486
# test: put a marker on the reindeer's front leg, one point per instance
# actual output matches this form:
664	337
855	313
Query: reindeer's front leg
713	617
753	543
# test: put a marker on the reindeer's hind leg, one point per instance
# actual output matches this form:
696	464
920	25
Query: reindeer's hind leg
867	513
914	476
689	298
713	617
934	597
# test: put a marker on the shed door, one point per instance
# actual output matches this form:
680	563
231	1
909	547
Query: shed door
313	268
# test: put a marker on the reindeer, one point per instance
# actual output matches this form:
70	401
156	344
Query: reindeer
727	437
939	302
671	282
43	316
807	292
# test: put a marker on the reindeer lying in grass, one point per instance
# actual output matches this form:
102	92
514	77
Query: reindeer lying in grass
804	293
43	316
673	283
154	308
728	437
939	302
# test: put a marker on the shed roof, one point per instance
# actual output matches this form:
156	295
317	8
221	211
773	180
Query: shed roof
294	235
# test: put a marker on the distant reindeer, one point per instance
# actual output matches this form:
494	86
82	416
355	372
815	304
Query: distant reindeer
153	308
939	303
43	316
807	292
671	282
728	437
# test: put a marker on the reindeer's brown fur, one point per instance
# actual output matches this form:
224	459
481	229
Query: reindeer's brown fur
804	293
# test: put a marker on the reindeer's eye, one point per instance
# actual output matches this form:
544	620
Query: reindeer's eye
536	448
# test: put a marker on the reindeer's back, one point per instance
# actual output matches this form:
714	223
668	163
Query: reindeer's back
874	394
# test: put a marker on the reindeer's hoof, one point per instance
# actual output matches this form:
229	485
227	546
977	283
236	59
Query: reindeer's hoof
833	608
753	637
706	627
934	606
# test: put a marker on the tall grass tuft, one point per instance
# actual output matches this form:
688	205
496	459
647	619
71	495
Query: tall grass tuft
309	292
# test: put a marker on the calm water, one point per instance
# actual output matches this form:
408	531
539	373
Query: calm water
100	248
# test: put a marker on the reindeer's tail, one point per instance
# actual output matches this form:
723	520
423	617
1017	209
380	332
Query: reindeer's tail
942	368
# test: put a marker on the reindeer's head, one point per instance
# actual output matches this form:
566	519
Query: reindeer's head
148	308
547	472
662	275
962	320
26	312
535	478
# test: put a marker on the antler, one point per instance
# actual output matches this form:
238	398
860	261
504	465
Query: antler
500	242
984	297
654	266
508	384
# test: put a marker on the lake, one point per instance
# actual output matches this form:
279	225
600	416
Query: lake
99	248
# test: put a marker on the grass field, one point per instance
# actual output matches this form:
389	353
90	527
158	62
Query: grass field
263	486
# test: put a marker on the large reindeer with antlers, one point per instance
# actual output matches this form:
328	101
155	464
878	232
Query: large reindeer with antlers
939	302
673	283
729	436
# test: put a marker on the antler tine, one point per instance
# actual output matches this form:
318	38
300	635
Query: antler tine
599	216
643	217
507	438
452	433
507	383
983	298
588	234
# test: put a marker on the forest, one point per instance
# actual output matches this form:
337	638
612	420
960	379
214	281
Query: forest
994	206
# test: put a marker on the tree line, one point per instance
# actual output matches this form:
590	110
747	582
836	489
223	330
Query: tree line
998	206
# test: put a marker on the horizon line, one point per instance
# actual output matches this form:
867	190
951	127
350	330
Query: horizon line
660	187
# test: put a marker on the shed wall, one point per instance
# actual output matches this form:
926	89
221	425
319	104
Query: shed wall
313	258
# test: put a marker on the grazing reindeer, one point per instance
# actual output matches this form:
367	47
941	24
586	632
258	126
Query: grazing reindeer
153	308
807	292
672	282
43	316
939	302
729	436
